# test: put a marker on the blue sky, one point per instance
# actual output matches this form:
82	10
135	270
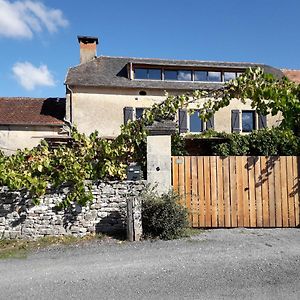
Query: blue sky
38	38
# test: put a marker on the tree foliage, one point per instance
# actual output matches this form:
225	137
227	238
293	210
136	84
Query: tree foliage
35	170
267	94
89	158
264	142
92	158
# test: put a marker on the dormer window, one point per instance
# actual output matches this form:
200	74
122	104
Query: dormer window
172	74
182	75
150	74
208	76
200	75
214	76
229	76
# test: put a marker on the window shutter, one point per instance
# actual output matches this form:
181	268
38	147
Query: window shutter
182	121
210	124
262	121
128	114
235	121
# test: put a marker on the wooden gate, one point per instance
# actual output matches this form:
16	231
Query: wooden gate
238	191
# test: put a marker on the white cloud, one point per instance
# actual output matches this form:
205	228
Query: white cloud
21	19
31	77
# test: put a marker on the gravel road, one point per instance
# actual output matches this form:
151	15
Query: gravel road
216	264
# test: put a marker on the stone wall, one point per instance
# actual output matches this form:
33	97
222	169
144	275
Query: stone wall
106	213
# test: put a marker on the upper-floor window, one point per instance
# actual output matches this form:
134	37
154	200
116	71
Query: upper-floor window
170	75
229	76
214	76
183	75
200	76
143	73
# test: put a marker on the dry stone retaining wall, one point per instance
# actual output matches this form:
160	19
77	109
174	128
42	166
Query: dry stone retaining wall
106	213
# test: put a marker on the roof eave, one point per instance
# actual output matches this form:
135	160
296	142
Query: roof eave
32	124
138	87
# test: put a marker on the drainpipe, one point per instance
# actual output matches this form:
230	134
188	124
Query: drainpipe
70	122
71	102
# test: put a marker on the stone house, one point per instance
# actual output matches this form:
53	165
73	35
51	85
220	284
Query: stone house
24	122
104	92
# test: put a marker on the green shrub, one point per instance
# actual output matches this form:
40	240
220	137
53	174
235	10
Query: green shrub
162	216
178	145
264	142
273	142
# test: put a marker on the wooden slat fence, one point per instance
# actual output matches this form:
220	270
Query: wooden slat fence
238	191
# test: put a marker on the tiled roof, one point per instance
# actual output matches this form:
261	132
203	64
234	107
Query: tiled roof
105	71
293	75
32	111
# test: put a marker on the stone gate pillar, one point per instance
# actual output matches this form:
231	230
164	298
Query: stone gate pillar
159	172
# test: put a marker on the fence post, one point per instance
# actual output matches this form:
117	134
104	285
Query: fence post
159	155
137	218
134	219
130	229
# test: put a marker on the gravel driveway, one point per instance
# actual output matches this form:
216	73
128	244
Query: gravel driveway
216	264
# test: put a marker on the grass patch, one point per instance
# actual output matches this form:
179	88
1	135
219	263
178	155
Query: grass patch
21	248
188	232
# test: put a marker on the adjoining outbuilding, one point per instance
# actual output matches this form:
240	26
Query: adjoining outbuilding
24	122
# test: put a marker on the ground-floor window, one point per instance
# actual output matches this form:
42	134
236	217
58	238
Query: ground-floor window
248	120
195	123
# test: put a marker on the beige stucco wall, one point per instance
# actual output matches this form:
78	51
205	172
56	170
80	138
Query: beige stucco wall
102	109
13	137
223	116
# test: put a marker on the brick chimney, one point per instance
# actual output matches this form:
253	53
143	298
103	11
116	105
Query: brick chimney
88	48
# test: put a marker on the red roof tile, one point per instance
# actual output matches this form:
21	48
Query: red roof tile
293	75
32	111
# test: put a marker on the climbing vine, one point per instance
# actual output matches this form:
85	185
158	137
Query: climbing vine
92	158
268	95
87	158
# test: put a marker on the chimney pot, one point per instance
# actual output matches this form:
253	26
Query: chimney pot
88	48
